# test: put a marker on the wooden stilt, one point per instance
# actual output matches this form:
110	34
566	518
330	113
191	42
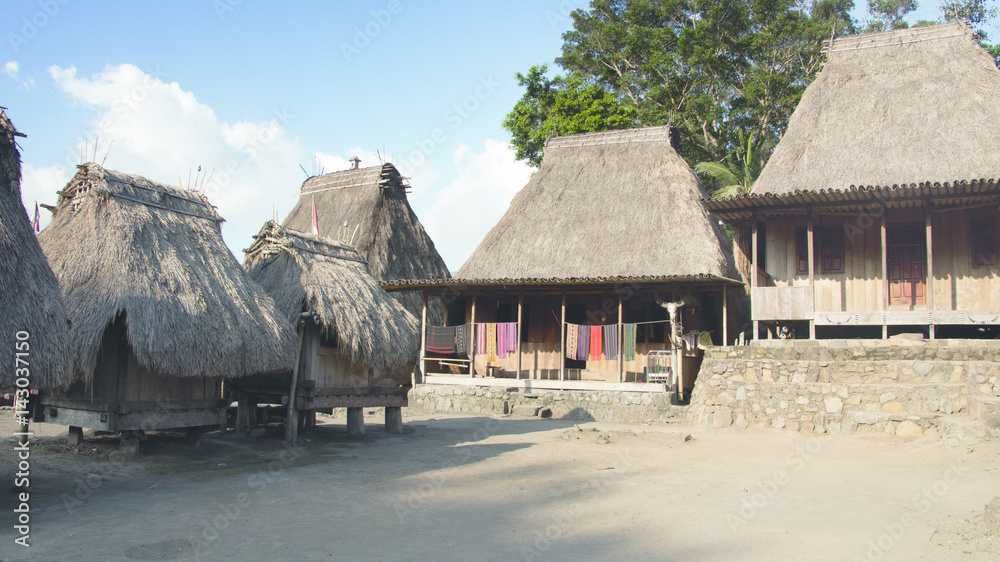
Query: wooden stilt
562	341
884	285
292	418
472	360
394	419
423	340
753	272
725	316
520	305
241	411
621	338
355	421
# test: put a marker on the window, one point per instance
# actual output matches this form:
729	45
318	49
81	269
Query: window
831	247
984	242
801	250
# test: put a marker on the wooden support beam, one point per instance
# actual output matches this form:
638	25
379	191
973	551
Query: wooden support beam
355	421
292	418
725	316
810	249
520	306
472	360
241	411
621	339
930	269
753	271
884	285
562	341
393	420
423	340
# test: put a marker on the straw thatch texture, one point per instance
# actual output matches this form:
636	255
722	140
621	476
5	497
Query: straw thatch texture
611	204
379	221
121	244
304	273
899	107
28	291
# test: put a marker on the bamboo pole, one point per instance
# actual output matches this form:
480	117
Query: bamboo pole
621	339
472	360
753	274
562	341
520	305
423	340
884	285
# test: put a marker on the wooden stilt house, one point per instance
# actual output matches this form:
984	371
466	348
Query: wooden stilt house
878	211
606	243
367	208
161	311
358	345
34	330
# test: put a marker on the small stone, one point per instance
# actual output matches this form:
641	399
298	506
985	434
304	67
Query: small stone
741	393
833	405
866	418
802	400
892	407
723	418
922	367
778	423
887	397
909	430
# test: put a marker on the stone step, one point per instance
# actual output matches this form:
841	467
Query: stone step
961	430
985	409
982	351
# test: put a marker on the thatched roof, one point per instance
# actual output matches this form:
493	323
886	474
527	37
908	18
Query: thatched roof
28	290
893	108
617	204
379	221
305	273
122	244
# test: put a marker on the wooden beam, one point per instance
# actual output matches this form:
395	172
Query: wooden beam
884	285
930	269
753	270
810	248
562	341
472	363
621	339
423	340
725	316
520	305
292	417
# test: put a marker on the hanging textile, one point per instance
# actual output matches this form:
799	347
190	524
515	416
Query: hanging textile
491	343
462	340
610	336
480	339
583	343
690	340
628	347
508	343
572	332
595	343
440	339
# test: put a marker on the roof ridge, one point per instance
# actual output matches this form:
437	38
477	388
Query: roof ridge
897	37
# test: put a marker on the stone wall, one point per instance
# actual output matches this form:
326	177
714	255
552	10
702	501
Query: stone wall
898	386
628	407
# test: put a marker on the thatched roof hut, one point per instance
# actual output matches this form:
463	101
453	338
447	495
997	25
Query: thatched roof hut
893	108
615	204
121	244
379	221
303	272
28	290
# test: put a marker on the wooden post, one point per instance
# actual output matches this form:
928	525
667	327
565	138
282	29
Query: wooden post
393	419
753	274
520	305
292	419
930	270
562	341
241	411
884	285
725	316
810	248
621	339
472	360
423	340
355	421
677	355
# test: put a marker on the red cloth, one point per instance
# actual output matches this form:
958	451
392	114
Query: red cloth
595	343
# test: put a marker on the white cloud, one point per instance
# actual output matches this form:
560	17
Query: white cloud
163	132
463	212
12	69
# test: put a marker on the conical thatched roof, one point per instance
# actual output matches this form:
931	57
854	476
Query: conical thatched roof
380	224
121	244
893	108
309	273
617	204
28	291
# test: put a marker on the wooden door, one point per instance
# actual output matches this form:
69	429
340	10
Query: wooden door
907	247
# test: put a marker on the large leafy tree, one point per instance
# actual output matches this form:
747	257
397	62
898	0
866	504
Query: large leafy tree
888	14
712	69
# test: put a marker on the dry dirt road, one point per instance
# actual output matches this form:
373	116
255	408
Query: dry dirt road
478	488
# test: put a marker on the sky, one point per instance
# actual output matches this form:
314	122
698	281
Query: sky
252	92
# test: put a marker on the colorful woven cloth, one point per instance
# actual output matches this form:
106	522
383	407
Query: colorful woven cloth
611	341
462	340
491	343
572	334
595	343
628	345
583	343
440	339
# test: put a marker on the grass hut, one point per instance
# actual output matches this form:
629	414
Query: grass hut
607	231
358	344
34	330
878	211
368	209
161	311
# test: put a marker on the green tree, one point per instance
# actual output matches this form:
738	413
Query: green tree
737	174
888	14
977	14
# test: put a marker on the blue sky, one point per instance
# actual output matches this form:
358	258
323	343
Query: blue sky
254	89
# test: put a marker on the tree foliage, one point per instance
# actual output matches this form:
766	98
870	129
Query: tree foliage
888	14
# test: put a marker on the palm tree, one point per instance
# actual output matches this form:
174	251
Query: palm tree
739	172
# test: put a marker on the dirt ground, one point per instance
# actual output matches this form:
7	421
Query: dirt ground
479	488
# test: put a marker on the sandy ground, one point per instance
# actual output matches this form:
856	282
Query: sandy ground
478	488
